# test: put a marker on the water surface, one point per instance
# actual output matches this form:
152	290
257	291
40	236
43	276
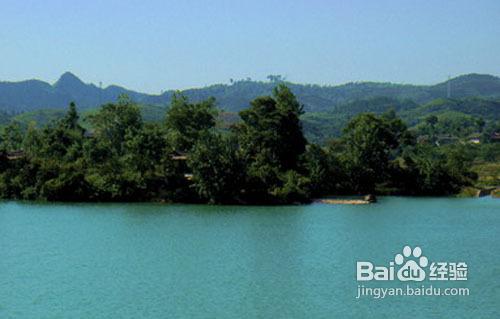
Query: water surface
188	261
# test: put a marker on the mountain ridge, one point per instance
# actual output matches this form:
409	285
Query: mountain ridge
29	95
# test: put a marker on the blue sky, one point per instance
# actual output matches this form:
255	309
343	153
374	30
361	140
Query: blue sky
154	45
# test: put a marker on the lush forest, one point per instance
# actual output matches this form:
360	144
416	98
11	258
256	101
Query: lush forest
264	157
458	118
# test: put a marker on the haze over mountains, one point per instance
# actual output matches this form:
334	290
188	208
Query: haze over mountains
35	94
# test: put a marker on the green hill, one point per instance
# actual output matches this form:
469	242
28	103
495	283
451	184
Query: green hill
34	94
480	107
454	115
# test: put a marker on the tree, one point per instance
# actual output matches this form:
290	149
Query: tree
32	141
272	126
217	170
458	163
275	78
185	121
431	170
113	122
115	125
271	142
148	164
55	158
290	128
70	121
323	170
12	137
371	142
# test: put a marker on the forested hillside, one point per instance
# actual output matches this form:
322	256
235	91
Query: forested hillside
16	97
458	117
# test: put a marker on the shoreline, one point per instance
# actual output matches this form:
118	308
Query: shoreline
341	200
344	201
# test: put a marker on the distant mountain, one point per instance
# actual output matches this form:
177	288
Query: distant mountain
34	94
316	98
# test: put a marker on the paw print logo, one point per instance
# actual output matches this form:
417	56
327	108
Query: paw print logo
411	262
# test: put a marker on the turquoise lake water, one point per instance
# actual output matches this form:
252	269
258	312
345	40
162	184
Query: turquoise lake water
188	261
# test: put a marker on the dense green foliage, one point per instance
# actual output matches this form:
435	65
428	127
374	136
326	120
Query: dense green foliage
263	158
186	122
371	142
271	144
459	118
217	168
